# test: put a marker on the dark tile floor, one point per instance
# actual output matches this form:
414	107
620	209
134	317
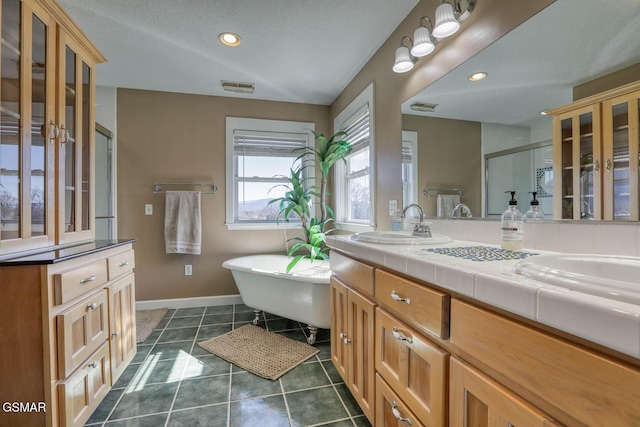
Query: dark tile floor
173	382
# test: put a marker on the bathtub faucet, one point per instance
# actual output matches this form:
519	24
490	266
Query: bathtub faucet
419	229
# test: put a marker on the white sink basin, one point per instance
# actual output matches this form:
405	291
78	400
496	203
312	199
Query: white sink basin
399	238
614	277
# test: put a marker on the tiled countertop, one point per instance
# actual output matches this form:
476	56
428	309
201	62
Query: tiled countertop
614	324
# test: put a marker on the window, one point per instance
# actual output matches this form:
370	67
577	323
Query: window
259	158
354	181
409	167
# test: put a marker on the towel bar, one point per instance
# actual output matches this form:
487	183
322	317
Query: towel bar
157	187
457	191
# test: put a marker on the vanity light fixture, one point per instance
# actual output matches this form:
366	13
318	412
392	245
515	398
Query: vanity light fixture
448	19
404	61
229	39
476	77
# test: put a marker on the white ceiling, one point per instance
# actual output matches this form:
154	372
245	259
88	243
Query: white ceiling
535	66
293	50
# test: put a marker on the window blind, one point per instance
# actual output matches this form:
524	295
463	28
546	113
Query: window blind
407	153
274	144
357	129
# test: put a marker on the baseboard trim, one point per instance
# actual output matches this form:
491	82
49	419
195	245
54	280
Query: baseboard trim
188	302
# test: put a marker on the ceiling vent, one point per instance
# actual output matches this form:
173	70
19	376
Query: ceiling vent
423	106
238	87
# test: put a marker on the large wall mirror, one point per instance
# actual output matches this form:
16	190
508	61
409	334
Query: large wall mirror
571	49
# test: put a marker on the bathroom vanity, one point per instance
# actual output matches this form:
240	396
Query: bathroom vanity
422	338
68	331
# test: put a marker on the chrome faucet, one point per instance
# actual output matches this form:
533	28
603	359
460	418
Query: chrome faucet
460	208
419	229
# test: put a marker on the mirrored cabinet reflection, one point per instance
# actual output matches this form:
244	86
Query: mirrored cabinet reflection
46	129
596	156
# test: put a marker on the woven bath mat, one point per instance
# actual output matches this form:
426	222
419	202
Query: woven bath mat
146	322
258	351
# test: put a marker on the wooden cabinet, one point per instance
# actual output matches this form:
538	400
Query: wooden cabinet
352	346
413	366
596	156
68	340
391	411
47	117
478	401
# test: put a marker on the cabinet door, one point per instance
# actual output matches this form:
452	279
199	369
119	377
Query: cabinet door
122	324
620	156
478	401
414	366
27	175
76	160
339	330
81	330
390	409
577	164
80	394
361	313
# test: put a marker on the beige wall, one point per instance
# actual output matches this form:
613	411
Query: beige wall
490	20
171	137
449	153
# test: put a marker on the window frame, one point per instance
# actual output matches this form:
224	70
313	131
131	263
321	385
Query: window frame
364	100
257	126
410	139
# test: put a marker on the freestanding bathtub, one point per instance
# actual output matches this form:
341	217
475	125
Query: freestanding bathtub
301	295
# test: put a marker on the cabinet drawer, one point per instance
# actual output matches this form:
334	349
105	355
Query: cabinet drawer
425	308
391	411
120	264
81	330
353	273
73	283
593	389
414	367
80	394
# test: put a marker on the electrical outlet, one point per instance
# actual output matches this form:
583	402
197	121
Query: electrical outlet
148	209
393	206
187	270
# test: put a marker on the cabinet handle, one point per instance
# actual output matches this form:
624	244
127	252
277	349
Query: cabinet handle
94	364
342	335
398	298
347	341
88	279
116	334
396	413
608	165
596	166
400	336
123	264
64	134
92	306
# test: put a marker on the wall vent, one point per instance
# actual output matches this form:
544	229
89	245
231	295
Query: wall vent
237	87
423	106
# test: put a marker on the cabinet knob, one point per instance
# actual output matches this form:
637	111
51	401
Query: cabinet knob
596	166
93	365
608	165
88	279
92	306
347	341
342	335
396	413
49	130
116	334
398	298
400	336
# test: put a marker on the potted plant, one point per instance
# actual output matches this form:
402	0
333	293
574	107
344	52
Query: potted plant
299	198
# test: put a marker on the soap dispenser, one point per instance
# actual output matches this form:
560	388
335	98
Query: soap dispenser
512	226
534	213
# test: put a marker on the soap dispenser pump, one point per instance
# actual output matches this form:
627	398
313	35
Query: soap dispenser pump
534	213
512	226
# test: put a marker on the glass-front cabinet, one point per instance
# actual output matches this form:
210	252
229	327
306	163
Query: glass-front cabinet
596	156
47	115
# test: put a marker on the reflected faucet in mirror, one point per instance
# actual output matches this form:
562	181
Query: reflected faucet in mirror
419	229
460	209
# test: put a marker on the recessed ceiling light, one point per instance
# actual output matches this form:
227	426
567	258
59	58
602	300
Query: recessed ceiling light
475	77
229	39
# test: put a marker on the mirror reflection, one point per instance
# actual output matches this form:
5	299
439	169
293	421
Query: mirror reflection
477	139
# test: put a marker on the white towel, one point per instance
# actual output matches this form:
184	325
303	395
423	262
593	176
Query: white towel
446	203
182	222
